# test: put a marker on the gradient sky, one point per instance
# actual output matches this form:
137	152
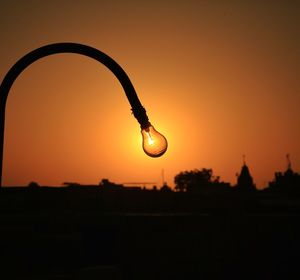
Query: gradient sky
218	78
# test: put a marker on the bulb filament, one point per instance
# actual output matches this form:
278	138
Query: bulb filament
150	140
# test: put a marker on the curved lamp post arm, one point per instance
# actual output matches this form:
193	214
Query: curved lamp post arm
138	111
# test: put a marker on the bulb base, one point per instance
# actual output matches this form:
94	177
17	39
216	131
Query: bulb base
141	116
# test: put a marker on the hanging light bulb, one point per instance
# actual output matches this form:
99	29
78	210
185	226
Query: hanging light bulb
154	143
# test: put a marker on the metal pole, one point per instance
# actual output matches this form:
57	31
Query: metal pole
138	110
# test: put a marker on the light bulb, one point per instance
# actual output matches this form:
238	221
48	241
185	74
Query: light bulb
154	143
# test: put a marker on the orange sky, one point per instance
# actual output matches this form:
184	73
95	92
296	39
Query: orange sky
218	78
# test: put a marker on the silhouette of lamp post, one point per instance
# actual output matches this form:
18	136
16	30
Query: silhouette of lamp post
154	143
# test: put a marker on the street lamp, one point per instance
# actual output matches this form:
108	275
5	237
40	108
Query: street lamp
154	143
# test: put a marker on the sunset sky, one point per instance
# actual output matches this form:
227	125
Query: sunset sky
220	79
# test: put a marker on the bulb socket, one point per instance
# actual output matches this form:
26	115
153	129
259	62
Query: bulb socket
141	116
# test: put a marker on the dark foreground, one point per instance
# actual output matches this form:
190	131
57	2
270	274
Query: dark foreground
85	234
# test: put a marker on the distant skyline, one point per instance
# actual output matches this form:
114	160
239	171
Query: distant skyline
220	79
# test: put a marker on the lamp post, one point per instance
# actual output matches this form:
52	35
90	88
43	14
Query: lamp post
154	144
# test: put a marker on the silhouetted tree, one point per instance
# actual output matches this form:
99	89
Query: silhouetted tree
165	188
33	185
195	180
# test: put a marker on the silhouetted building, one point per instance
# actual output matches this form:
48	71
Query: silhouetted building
245	180
286	182
134	188
105	184
72	184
